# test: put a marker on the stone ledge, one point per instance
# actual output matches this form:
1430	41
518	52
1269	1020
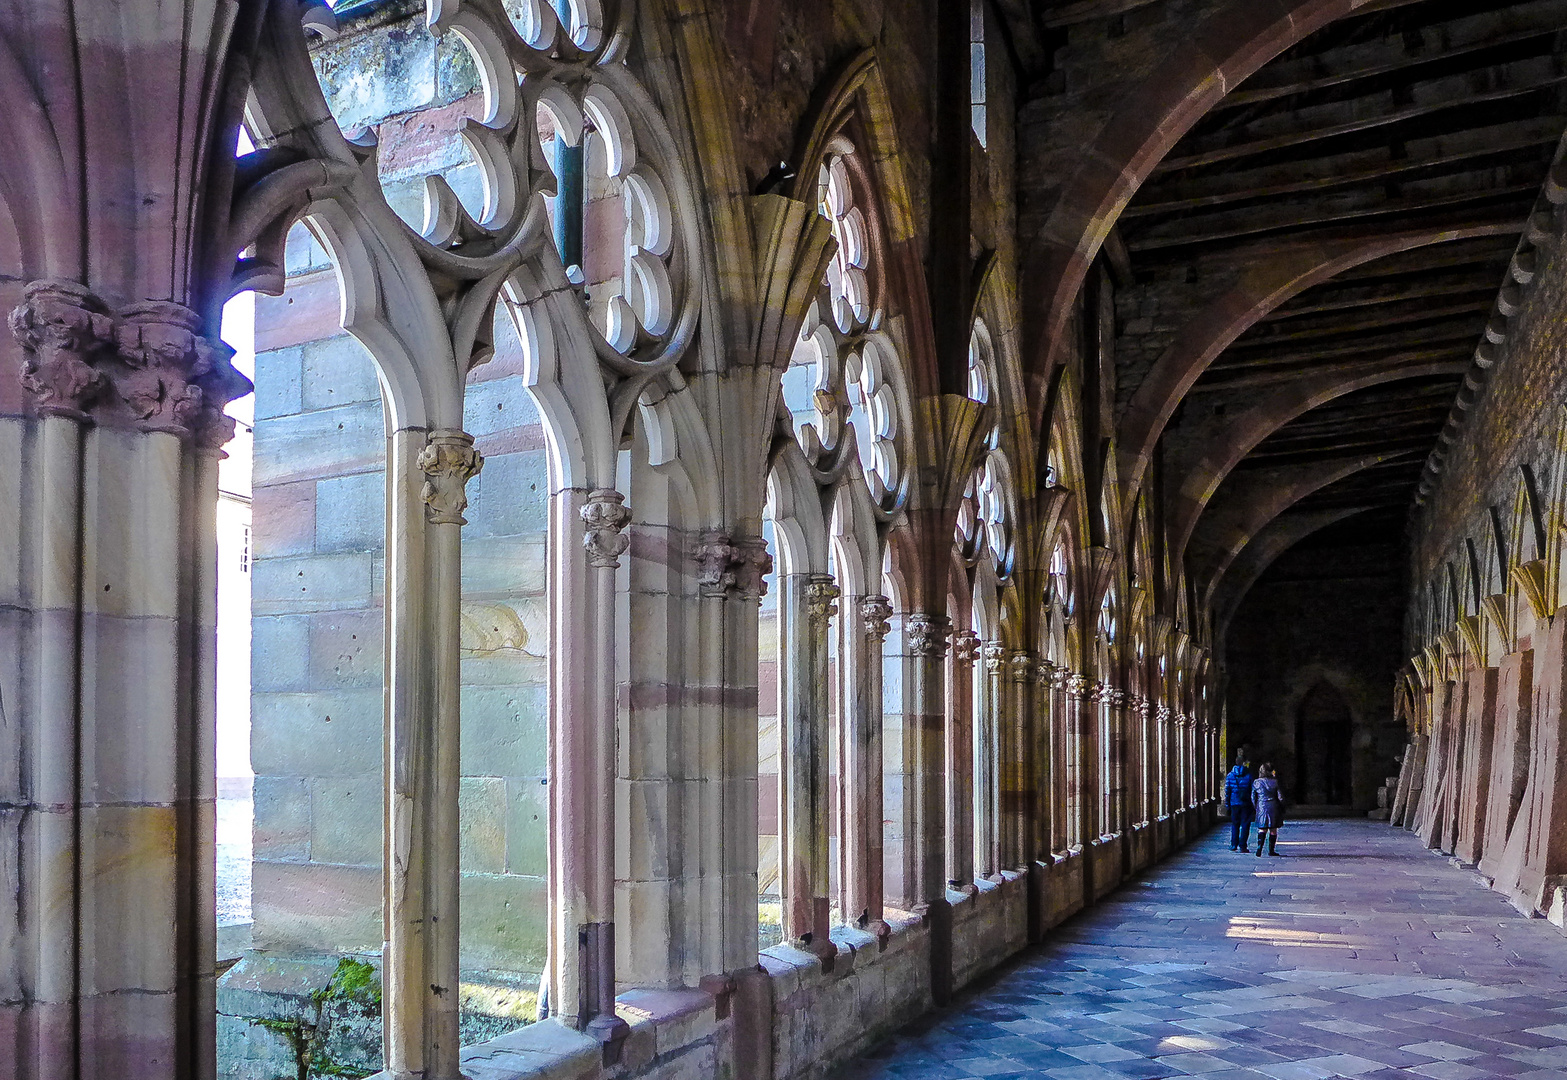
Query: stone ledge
547	1050
817	1019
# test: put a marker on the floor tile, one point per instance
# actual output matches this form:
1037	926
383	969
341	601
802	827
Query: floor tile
1365	956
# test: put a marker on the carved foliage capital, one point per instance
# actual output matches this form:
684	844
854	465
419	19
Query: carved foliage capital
875	613
606	518
752	563
995	656
175	380
726	566
927	634
146	366
62	328
715	564
448	462
820	596
1021	664
965	646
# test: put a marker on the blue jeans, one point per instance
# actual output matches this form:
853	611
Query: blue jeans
1240	826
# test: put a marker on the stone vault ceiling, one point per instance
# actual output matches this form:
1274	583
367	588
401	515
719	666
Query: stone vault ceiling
1303	279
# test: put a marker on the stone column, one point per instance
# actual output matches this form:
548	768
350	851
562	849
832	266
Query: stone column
1096	774
961	750
1060	760
1188	772
924	795
1017	767
1042	841
590	525
107	696
1076	717
860	838
1164	773
424	561
750	564
803	823
987	793
1116	699
1147	761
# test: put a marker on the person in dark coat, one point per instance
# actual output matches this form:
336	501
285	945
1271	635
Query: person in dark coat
1237	796
1268	804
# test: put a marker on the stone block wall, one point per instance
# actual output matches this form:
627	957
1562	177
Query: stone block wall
316	659
1484	777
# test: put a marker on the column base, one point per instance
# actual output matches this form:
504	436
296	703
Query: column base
609	1032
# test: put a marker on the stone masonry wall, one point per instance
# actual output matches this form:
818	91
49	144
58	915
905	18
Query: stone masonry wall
1513	423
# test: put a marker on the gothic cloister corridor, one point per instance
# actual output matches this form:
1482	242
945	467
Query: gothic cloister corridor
1360	954
670	539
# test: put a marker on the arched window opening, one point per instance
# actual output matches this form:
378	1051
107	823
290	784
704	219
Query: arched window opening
506	645
981	362
236	553
769	749
1324	728
977	74
301	677
1061	591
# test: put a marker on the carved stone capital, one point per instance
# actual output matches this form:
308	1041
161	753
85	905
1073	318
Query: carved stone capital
820	596
965	646
1076	684
175	380
1162	712
715	556
927	634
875	611
1044	673
62	328
1021	666
1117	698
606	518
752	563
995	655
448	462
147	366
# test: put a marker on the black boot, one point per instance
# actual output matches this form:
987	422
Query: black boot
1273	840
1259	844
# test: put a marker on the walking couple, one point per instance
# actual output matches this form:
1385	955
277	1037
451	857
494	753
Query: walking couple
1250	798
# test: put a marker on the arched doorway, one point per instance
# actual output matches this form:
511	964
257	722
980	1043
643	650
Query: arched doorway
1323	726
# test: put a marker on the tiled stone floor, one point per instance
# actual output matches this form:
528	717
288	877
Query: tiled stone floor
1359	954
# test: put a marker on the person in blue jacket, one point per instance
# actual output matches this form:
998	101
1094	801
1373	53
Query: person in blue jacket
1237	796
1268	802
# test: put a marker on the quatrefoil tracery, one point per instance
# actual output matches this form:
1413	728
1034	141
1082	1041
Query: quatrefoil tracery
549	78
